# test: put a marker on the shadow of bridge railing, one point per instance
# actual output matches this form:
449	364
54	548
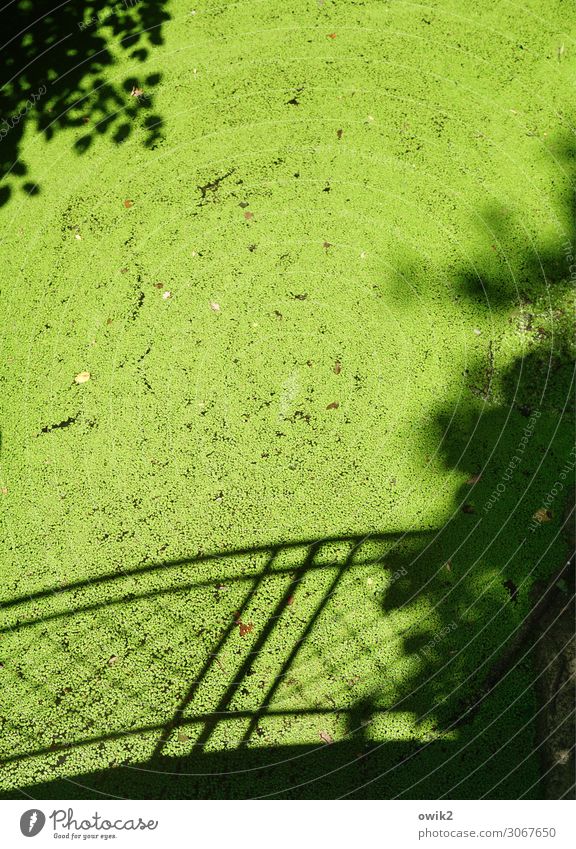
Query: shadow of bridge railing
283	665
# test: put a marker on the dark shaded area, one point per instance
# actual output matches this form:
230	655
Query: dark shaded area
352	769
554	662
54	58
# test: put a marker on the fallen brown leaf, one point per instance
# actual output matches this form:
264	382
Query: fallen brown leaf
326	245
324	735
301	297
542	515
337	367
331	35
245	629
136	92
182	738
82	377
112	659
473	479
128	203
333	406
248	215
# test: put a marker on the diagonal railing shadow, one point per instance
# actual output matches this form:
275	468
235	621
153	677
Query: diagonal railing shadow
166	566
206	722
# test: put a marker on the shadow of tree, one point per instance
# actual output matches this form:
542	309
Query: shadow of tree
55	62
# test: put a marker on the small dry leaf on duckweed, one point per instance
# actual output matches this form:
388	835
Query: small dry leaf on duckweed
214	306
128	203
82	377
166	295
290	600
245	629
326	737
301	297
108	321
326	245
542	515
331	35
248	215
448	566
158	285
136	92
112	659
337	367
182	738
4	490
473	479
333	406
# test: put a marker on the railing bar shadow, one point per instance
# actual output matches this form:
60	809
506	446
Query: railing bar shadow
167	565
296	647
134	597
184	722
263	636
213	657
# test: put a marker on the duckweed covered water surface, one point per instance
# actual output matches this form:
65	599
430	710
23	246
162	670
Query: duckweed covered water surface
277	539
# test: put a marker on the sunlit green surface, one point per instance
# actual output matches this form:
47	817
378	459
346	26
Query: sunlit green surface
353	208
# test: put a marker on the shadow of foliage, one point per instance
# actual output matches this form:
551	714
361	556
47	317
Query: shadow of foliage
55	61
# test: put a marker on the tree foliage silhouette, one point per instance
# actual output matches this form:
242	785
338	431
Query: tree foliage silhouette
55	60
